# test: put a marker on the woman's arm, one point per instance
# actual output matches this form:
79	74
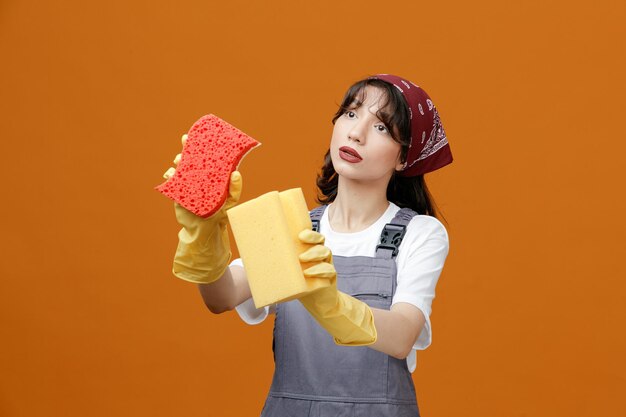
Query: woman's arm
397	329
227	292
419	268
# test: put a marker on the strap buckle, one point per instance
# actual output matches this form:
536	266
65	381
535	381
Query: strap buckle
391	237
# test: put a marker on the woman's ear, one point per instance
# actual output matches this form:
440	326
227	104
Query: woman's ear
399	164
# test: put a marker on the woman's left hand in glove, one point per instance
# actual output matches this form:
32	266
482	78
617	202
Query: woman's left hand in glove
348	320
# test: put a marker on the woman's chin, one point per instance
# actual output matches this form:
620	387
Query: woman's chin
351	175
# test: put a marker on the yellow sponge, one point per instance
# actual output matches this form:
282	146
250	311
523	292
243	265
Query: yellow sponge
266	231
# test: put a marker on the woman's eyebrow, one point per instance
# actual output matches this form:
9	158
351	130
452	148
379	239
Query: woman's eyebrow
356	103
385	115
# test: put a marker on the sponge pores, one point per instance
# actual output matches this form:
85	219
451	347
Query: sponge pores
213	150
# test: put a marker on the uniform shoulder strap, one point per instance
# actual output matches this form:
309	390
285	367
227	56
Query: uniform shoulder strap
393	233
316	215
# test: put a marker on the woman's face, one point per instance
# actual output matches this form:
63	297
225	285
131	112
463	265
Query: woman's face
361	147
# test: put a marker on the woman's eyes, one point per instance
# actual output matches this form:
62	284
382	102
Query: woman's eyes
350	114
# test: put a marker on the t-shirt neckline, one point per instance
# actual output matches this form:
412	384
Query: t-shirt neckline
377	225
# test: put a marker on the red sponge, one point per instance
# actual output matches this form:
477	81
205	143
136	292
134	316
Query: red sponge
212	151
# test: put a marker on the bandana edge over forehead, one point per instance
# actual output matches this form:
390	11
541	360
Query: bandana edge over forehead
428	148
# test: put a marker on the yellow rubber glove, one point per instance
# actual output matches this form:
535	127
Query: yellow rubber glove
348	320
203	251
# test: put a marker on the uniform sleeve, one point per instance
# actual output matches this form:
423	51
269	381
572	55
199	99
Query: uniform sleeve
247	311
421	257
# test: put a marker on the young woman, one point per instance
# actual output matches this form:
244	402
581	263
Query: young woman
348	349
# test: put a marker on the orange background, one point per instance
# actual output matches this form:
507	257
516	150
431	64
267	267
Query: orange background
530	311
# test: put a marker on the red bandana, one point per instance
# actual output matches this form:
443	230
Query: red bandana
429	149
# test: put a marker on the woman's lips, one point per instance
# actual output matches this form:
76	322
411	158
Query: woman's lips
348	154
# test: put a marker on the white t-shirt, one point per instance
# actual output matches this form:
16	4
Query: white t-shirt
420	259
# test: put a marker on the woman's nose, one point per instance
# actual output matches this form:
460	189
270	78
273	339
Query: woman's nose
356	133
354	136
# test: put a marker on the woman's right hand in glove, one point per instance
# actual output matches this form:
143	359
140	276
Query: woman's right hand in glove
203	251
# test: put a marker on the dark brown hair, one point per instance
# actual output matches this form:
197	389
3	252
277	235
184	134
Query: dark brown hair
409	192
